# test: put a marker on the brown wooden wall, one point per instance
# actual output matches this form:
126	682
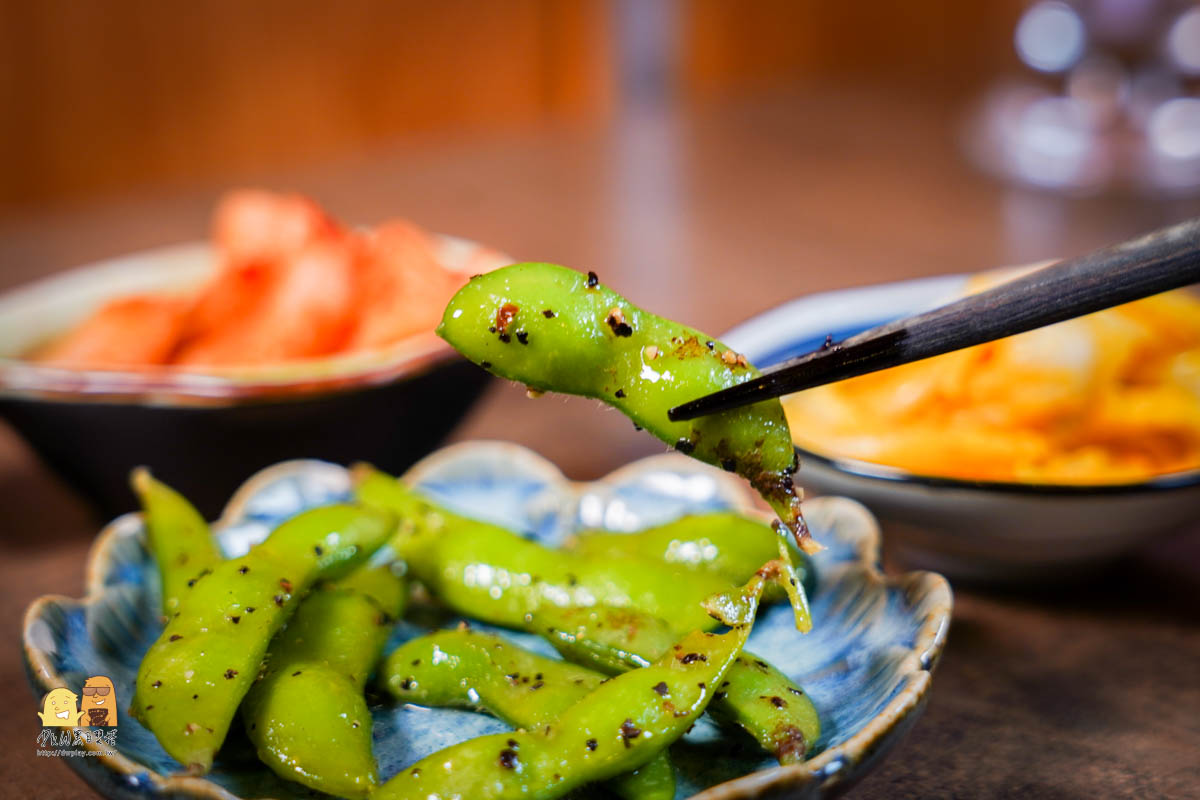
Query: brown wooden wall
101	96
945	46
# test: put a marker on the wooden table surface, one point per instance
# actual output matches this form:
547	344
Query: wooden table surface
710	216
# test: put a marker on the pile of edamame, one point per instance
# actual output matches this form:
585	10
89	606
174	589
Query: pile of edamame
290	636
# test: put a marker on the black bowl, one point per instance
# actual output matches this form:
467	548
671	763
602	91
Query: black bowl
205	433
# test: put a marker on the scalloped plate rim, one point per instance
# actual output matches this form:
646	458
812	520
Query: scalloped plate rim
831	768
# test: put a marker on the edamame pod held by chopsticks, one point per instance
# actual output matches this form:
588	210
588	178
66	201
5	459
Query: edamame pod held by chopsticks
306	714
179	538
194	676
467	669
494	575
619	726
558	330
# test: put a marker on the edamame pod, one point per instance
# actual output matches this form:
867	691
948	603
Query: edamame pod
306	714
755	695
481	671
726	543
178	536
494	575
619	726
558	330
194	676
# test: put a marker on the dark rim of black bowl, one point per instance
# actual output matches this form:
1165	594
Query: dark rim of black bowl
882	472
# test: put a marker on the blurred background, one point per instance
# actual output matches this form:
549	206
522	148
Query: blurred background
127	101
712	158
103	100
105	97
801	145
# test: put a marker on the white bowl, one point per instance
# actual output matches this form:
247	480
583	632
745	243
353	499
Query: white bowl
976	530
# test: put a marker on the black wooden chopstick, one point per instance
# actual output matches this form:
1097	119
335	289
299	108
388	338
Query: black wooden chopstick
1163	260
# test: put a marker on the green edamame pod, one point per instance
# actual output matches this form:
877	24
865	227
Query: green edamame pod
492	574
192	679
480	671
178	536
754	695
619	726
558	330
306	714
726	543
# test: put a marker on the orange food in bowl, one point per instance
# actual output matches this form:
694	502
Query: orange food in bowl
291	283
1113	397
128	332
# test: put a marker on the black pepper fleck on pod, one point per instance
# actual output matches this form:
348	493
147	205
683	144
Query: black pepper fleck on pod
485	364
230	674
616	321
243	570
693	657
523	337
508	759
591	744
619	393
548	314
629	731
592	280
661	688
685	446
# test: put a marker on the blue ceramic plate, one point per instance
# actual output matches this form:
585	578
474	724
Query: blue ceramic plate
867	664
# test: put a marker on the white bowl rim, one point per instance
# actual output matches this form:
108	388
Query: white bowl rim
804	317
167	386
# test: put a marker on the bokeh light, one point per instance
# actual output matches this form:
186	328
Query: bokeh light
1051	37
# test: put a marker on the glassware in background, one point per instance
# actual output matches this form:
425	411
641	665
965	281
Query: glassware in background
1108	100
